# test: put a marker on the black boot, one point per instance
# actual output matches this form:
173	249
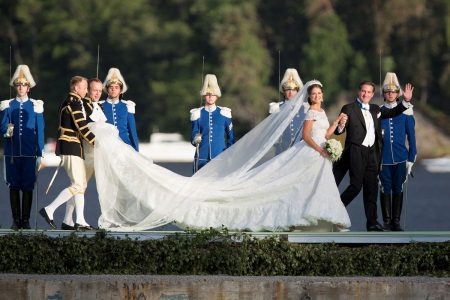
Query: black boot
385	200
27	201
14	198
397	203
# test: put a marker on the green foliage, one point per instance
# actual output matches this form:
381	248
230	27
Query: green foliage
358	70
245	62
327	51
159	46
216	252
388	64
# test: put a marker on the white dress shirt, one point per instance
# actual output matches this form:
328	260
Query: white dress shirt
369	139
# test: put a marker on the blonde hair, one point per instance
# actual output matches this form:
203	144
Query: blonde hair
76	80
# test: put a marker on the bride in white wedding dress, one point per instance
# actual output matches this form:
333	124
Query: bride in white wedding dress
235	190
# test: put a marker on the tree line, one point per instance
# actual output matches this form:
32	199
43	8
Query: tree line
163	47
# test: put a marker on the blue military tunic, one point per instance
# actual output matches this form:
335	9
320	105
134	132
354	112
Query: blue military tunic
120	113
292	133
395	152
216	128
27	141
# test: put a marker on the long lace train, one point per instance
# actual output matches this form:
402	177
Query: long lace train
295	188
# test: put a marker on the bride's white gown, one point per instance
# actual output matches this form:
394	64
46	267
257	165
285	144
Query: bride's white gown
295	188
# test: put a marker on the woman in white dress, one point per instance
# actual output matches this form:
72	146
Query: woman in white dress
317	130
294	188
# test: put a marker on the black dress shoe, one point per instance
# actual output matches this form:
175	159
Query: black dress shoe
16	225
396	226
375	227
26	224
79	227
64	226
44	214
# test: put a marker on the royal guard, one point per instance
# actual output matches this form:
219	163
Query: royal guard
289	87
23	130
212	125
120	113
397	158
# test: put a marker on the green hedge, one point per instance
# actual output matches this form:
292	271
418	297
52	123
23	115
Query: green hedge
216	252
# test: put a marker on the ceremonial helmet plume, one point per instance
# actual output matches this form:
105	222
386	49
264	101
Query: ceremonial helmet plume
391	83
210	86
22	75
114	76
291	81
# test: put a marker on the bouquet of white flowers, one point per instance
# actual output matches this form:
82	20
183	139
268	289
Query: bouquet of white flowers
334	148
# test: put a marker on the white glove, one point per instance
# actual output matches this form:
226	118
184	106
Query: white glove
197	139
409	166
10	130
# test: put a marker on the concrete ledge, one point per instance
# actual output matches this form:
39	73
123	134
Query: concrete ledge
84	287
354	237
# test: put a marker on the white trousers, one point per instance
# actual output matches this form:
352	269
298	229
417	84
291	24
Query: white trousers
76	171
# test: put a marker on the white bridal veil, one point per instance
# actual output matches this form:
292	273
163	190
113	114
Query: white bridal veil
235	189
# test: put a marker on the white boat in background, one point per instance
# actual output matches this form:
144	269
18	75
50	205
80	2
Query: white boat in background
437	165
168	147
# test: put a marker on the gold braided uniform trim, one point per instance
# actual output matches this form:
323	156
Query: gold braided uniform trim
84	127
69	135
78	118
66	129
69	139
88	101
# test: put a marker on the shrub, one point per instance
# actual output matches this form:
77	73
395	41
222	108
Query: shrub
216	252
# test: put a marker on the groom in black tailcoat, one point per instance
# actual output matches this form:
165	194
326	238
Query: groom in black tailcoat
362	150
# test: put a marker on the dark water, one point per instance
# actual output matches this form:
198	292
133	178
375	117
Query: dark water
427	204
